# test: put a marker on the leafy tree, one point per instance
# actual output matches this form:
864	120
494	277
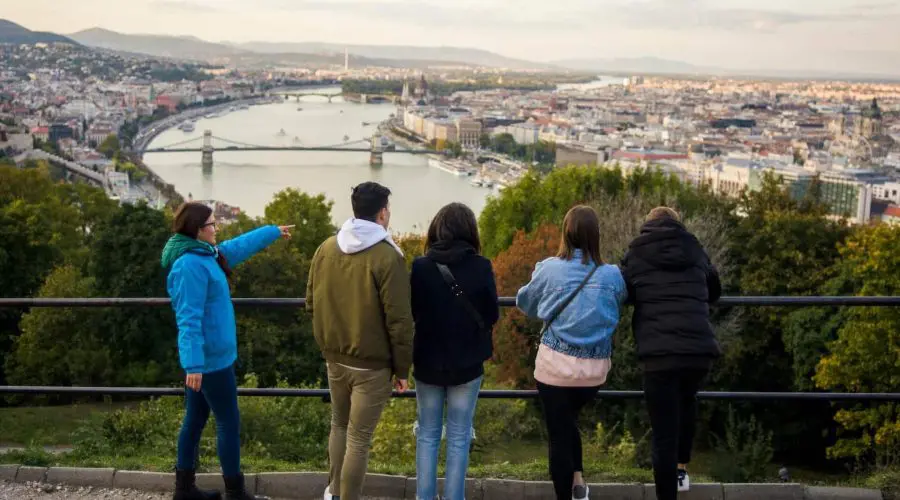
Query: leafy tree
59	346
866	354
124	262
784	246
515	336
110	146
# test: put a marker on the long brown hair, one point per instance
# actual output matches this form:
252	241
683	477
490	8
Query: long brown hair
454	222
190	217
581	231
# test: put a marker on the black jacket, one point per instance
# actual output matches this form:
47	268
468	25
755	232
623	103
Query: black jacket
448	347
671	283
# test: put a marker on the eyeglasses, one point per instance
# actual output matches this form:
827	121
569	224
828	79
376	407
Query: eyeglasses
208	224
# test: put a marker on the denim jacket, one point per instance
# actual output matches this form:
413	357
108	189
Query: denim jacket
585	327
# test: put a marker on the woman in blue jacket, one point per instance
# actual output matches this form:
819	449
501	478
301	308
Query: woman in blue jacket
578	298
207	340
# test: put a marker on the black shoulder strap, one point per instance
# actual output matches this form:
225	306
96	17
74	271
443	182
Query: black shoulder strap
460	295
568	299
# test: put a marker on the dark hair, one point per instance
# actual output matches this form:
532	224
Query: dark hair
368	199
190	217
581	231
454	222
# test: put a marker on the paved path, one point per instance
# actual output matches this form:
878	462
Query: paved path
35	491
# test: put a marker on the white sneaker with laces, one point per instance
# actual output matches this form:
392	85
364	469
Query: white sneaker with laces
684	480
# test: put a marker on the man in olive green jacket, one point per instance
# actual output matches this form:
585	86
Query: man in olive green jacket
358	294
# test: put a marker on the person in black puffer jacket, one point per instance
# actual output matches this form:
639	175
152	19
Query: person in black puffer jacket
449	346
671	283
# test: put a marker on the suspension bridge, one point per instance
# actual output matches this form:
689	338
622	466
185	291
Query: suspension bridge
205	146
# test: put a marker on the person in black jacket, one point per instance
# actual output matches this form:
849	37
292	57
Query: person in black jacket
451	343
671	283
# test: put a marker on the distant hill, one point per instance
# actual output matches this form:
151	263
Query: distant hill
11	32
636	65
179	47
452	55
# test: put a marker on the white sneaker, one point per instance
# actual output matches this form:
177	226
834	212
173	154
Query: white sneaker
580	492
329	496
684	480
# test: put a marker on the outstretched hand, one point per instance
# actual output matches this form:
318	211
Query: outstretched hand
286	231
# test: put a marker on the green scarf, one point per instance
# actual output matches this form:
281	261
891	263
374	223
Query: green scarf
179	245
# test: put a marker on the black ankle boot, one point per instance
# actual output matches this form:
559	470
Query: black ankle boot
234	489
186	487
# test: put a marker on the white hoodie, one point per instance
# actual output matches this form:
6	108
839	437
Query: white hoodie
357	235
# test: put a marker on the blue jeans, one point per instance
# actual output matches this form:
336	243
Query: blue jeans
460	401
218	392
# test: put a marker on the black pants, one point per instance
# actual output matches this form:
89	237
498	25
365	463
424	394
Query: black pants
672	403
561	406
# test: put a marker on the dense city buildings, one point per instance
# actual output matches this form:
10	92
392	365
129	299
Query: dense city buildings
843	137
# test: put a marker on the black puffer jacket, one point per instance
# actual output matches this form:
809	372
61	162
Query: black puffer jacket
671	283
448	347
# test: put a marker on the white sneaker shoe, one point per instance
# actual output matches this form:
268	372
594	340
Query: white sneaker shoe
684	480
329	496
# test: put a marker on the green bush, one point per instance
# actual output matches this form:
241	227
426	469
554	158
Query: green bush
888	481
290	429
745	453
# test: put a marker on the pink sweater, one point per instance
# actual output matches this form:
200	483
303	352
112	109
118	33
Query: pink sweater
562	370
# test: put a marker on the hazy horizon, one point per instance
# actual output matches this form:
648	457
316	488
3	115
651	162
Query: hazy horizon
840	36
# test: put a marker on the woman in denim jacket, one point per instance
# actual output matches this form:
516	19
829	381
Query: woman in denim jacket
579	299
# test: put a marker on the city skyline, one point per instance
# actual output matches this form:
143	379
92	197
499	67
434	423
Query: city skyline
839	36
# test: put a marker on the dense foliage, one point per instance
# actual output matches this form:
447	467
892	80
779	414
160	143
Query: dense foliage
59	240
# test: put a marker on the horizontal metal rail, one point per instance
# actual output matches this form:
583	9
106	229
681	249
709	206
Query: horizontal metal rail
503	301
485	394
488	394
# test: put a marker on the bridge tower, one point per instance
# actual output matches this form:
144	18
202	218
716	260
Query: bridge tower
376	156
206	159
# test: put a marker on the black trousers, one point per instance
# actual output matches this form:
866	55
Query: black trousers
561	406
671	397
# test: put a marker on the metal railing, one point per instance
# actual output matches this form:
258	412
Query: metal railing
763	301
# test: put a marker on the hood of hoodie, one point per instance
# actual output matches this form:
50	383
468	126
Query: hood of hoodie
180	244
450	252
666	244
357	235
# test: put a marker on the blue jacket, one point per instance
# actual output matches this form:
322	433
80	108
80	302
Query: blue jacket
585	327
201	298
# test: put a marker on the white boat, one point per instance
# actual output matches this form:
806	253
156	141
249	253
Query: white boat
187	126
456	168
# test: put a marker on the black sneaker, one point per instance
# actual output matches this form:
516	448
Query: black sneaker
684	481
580	492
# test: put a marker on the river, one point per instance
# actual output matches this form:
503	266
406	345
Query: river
251	179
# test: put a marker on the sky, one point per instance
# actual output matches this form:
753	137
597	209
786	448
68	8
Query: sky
834	35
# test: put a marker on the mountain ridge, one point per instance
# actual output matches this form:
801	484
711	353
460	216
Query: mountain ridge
11	32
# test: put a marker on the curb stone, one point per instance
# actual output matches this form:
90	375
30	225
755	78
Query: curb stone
215	481
473	488
702	491
502	488
298	485
79	476
831	493
383	486
34	474
771	491
614	491
311	485
8	472
144	481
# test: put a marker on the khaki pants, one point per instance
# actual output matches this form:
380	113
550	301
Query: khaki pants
357	399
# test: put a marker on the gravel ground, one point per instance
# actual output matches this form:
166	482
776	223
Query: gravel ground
37	491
